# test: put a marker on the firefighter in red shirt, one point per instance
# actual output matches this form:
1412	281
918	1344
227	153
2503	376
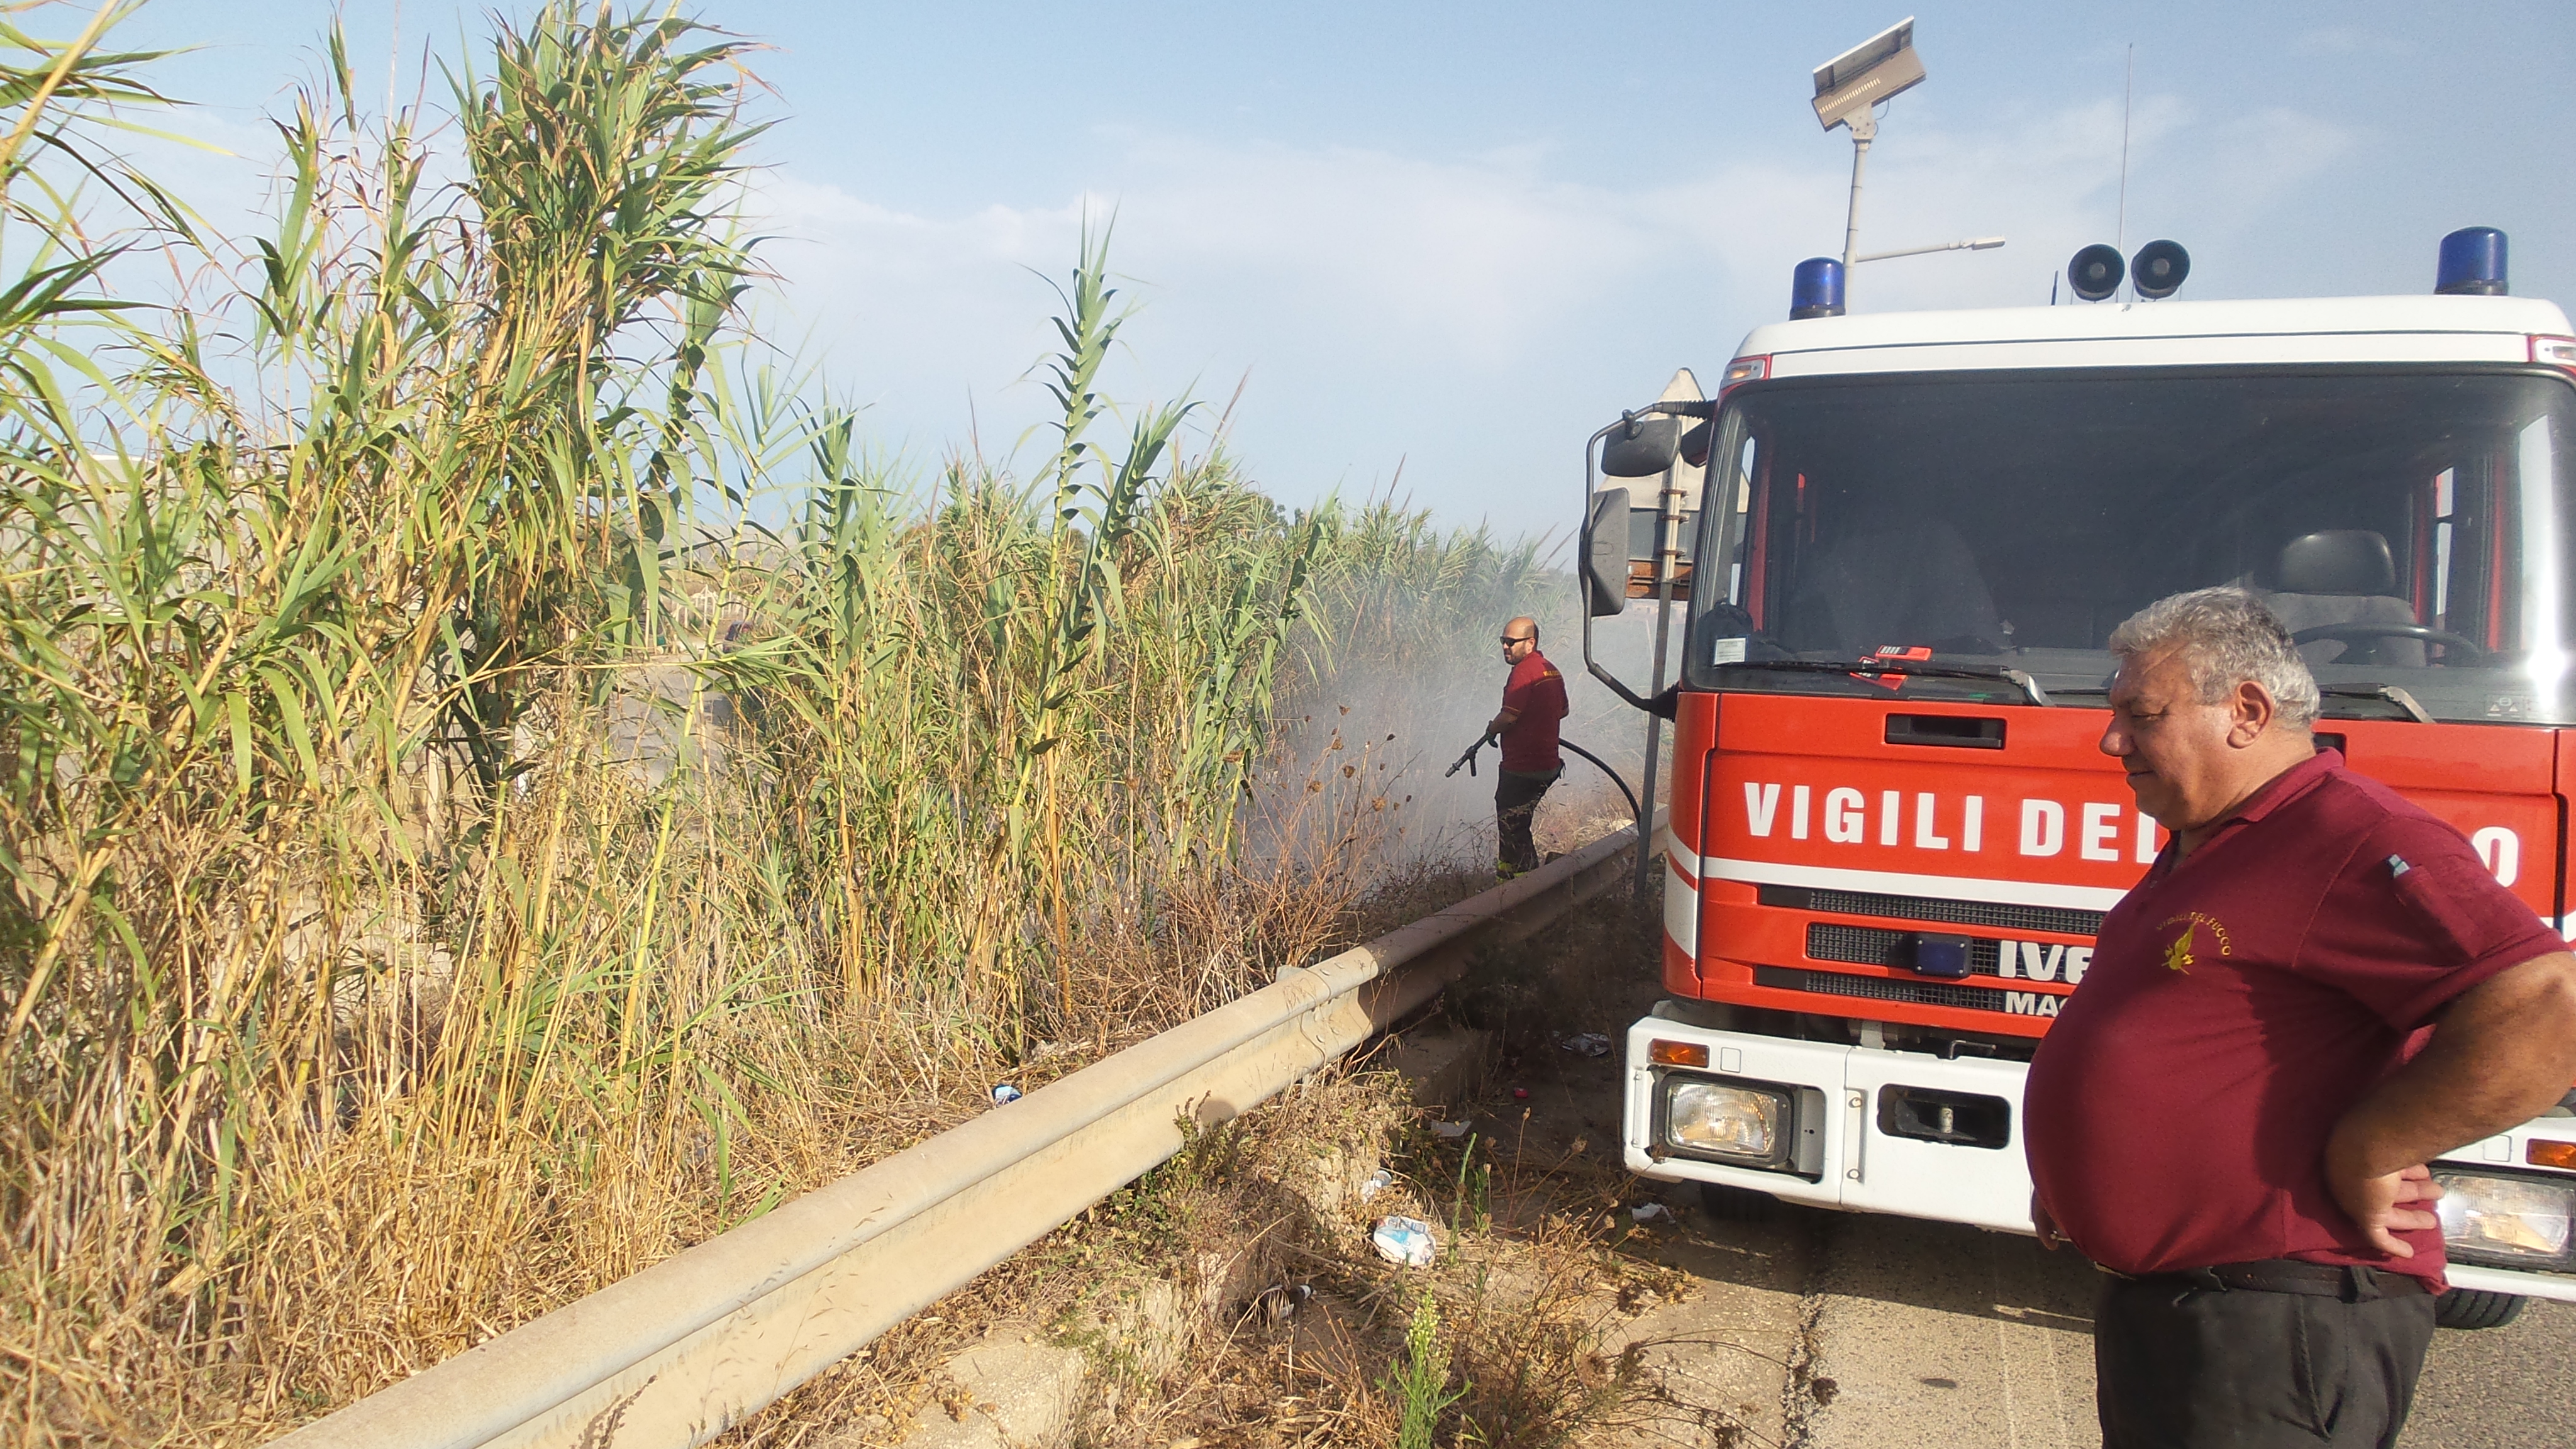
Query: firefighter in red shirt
1533	702
2317	989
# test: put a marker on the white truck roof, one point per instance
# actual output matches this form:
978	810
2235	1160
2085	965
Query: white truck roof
2162	334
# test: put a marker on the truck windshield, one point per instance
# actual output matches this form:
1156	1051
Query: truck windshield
2410	529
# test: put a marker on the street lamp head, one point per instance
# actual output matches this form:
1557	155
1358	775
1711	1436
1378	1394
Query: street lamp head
1870	72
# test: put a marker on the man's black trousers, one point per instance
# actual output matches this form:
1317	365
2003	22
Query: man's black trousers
2179	1366
1516	797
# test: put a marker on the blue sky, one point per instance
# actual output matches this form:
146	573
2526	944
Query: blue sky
1456	238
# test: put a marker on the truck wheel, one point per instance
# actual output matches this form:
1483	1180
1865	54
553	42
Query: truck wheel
2475	1308
1737	1204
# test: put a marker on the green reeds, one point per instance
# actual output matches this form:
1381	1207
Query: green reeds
514	789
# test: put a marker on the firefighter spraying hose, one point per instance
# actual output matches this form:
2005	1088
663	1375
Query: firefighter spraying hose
1468	761
1533	705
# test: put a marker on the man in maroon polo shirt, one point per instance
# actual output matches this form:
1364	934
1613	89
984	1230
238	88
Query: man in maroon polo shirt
2317	989
1533	702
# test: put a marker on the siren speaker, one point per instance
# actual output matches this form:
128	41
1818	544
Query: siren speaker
2096	271
2159	268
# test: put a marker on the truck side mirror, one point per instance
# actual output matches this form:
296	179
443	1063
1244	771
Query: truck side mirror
1605	553
1641	447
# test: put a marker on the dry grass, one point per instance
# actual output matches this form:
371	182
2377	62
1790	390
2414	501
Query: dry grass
1231	1300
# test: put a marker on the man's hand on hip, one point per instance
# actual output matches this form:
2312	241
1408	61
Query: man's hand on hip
2500	1055
2385	1205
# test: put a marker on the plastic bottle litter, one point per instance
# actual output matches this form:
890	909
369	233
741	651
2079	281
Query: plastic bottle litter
1404	1240
1379	1181
1648	1212
1587	1044
1005	1092
1448	1131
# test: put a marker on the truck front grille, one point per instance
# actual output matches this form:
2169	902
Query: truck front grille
2056	919
1922	993
1870	946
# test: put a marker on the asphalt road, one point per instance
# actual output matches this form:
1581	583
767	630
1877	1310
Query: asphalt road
1825	1330
1878	1331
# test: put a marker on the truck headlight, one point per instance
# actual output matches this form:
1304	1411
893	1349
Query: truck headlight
2505	1222
1735	1121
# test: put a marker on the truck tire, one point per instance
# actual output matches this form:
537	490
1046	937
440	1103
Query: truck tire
2476	1308
1730	1204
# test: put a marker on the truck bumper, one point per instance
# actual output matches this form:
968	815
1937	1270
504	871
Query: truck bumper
1849	1159
1859	1124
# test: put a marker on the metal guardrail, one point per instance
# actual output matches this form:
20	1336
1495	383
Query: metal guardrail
695	1344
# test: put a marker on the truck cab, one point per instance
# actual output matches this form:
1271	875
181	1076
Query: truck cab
1893	836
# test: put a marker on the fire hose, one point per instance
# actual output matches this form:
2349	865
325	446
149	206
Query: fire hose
1469	761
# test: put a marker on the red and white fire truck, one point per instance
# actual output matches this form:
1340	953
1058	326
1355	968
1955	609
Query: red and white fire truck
1893	835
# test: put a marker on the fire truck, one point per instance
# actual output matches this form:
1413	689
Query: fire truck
1893	835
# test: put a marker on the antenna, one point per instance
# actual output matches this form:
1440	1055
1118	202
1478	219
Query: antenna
2128	89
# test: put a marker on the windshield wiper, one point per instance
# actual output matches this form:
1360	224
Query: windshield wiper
1863	668
2385	693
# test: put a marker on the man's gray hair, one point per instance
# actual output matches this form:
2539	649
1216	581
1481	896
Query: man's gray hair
2226	637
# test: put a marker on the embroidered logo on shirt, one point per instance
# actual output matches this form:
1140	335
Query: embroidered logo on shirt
2178	951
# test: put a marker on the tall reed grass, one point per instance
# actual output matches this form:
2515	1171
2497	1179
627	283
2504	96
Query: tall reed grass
495	786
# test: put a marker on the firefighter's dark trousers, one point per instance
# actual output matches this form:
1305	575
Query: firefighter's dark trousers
1516	797
2181	1367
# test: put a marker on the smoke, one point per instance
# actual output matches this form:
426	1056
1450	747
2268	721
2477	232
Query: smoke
1396	724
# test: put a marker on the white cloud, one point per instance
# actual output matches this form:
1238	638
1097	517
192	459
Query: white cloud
1467	260
1369	294
2252	159
1464	260
1471	314
1477	263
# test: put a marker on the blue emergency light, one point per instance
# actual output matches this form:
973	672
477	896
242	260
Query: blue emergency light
2472	263
1816	289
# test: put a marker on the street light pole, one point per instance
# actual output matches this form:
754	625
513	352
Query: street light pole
1850	88
1864	129
1972	244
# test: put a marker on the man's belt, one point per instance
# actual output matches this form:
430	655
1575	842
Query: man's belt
2353	1283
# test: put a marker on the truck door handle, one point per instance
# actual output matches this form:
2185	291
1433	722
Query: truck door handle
1955	731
